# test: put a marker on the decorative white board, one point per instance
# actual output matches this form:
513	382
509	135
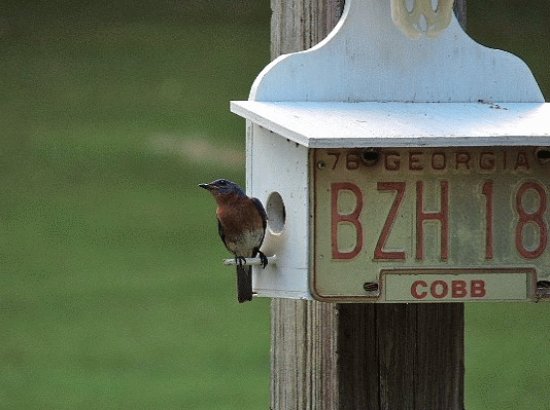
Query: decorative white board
368	58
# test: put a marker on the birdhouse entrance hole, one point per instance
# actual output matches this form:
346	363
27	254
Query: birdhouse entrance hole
276	214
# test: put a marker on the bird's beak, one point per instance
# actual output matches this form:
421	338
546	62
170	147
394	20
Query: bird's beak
206	186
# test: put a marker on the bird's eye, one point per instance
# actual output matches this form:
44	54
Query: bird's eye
222	182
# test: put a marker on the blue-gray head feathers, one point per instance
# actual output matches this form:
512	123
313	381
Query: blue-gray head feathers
223	187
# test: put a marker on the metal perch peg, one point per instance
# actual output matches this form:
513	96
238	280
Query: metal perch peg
272	260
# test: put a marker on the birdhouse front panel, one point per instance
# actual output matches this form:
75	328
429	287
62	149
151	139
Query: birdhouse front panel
278	175
400	202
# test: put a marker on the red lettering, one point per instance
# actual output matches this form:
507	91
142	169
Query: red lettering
414	289
352	218
477	288
487	161
441	216
392	161
352	161
455	289
444	289
521	161
458	289
441	163
462	158
488	192
379	251
536	218
336	156
414	161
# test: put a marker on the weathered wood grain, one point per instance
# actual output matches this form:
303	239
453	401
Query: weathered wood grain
358	356
303	333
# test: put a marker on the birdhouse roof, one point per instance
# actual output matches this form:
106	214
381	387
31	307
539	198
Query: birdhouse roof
392	124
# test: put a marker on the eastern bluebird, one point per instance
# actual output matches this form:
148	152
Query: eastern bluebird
241	225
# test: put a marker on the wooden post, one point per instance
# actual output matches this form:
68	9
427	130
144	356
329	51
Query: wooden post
359	356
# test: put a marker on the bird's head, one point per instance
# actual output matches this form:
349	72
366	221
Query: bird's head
221	188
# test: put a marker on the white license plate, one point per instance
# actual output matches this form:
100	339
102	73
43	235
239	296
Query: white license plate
454	214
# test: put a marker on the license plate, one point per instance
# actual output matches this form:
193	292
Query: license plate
386	218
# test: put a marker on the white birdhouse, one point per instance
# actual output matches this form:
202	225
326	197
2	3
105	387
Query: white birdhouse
400	161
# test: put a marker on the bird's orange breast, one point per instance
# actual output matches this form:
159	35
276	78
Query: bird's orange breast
239	216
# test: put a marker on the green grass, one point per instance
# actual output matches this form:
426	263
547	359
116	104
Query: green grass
507	356
112	294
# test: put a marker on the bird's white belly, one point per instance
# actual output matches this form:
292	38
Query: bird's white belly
243	245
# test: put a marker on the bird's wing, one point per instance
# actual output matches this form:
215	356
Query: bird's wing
221	233
261	210
263	215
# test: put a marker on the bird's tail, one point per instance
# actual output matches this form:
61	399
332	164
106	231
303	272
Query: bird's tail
244	283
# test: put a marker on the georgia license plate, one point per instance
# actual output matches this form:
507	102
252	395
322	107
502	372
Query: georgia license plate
430	224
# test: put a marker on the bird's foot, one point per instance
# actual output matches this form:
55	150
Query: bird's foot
240	260
263	259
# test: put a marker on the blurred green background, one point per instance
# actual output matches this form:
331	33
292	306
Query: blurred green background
112	294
